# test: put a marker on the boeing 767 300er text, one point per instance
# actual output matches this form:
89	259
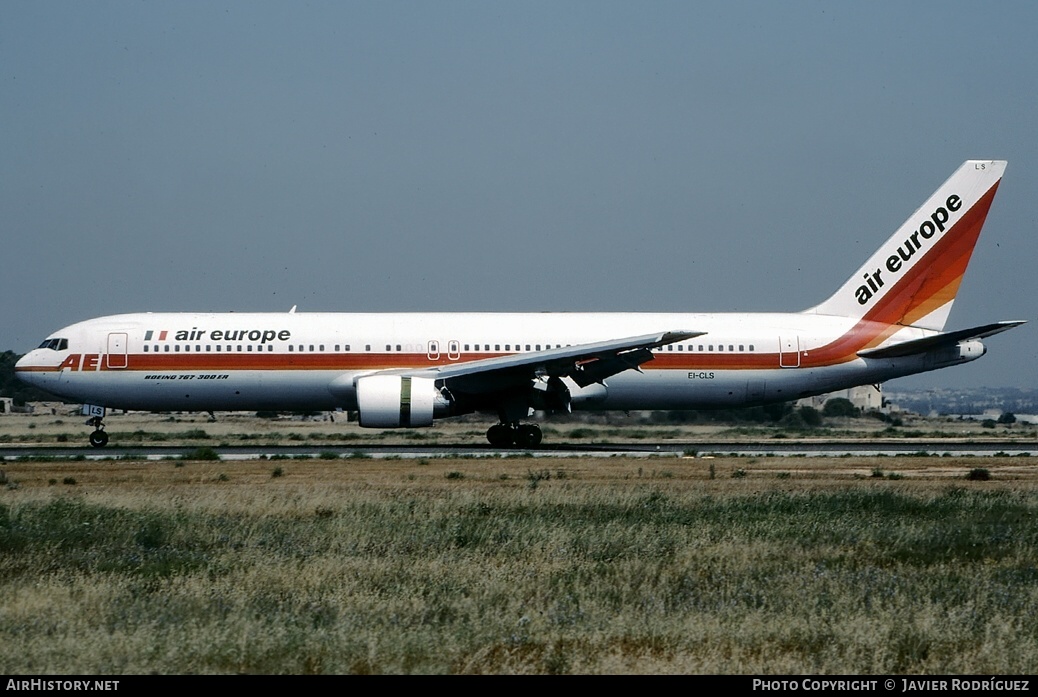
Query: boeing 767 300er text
407	369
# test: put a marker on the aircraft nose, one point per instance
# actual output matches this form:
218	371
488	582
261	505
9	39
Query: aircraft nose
23	368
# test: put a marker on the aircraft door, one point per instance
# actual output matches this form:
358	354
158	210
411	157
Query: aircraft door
789	352
116	356
433	350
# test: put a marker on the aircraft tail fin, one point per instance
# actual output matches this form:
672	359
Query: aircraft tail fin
913	278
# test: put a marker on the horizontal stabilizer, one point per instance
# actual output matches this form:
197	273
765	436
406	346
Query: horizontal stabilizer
917	346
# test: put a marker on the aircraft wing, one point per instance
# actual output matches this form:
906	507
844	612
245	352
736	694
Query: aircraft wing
584	364
916	346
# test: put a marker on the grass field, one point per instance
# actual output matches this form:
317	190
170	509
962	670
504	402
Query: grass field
520	565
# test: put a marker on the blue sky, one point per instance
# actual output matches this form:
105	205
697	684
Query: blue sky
380	156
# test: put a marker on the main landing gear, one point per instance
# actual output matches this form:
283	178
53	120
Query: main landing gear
98	438
521	435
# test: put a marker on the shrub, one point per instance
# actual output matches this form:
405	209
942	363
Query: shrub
810	416
978	474
840	406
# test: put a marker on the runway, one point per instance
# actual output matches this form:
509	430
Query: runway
758	448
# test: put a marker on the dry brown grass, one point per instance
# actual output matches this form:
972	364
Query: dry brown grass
138	477
520	565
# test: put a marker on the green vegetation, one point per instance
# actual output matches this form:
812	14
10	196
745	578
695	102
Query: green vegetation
839	406
497	576
203	454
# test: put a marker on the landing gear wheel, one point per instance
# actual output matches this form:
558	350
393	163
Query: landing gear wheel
528	436
500	435
99	439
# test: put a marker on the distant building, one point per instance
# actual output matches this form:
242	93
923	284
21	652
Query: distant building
996	414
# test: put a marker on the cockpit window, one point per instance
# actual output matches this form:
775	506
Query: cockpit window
55	344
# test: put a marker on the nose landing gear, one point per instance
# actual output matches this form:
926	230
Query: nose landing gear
98	438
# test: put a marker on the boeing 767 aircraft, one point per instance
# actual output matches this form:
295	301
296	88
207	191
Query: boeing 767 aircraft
407	369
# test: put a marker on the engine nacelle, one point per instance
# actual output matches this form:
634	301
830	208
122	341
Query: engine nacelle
398	401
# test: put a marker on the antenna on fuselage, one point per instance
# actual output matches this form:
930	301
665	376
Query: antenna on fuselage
292	311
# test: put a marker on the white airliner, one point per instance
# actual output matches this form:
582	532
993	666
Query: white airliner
407	369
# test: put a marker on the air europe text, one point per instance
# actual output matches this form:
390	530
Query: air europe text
263	336
915	242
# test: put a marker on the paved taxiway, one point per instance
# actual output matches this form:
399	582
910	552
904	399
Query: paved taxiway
799	448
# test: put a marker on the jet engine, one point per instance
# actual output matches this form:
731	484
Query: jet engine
399	401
